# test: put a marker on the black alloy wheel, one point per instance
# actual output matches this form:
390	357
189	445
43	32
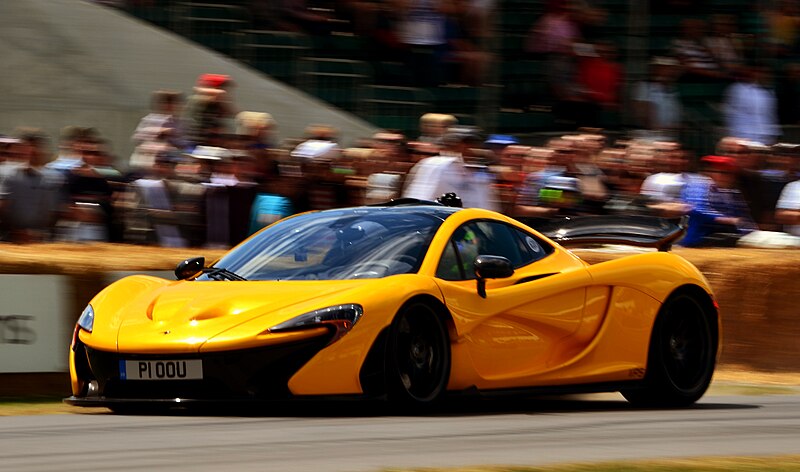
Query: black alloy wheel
417	356
683	351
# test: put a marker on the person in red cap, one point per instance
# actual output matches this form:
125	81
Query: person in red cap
209	108
718	214
215	81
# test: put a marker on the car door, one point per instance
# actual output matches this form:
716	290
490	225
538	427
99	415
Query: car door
524	323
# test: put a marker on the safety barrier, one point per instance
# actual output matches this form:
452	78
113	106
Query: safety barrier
45	288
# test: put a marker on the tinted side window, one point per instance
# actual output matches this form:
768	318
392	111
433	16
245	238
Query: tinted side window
450	267
534	248
498	239
490	238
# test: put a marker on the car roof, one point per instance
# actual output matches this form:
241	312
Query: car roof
434	210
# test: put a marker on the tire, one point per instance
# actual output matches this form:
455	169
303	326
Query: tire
417	357
683	351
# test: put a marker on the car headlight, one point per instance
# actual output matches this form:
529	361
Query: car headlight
86	320
341	318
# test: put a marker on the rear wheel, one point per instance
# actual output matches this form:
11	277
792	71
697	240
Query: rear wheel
417	356
683	349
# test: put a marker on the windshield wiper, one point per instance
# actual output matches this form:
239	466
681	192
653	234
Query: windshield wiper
223	273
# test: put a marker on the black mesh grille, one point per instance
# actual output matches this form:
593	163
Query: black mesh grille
247	374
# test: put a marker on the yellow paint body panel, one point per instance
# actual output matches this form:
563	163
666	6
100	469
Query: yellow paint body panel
556	321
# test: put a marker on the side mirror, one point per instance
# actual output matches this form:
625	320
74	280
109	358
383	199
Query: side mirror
190	268
491	267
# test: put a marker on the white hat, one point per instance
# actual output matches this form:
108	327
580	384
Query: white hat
315	149
210	153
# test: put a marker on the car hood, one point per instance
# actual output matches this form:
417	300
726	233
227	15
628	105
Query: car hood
150	315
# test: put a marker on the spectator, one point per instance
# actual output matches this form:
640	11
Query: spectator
464	50
591	180
497	143
422	32
150	216
718	215
750	107
656	103
749	157
271	203
554	36
433	126
600	78
32	197
562	194
322	188
510	174
392	152
561	163
555	33
9	155
664	188
623	183
102	161
163	121
774	175
450	172
68	157
697	60
91	216
322	132
209	108
724	44
256	129
254	137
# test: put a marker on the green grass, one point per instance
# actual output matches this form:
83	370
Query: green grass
33	405
738	464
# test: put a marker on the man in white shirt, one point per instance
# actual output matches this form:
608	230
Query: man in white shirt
656	101
750	107
435	176
664	187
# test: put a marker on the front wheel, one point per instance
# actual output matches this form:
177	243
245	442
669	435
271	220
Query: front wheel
417	356
683	350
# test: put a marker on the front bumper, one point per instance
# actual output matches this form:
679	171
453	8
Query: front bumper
250	374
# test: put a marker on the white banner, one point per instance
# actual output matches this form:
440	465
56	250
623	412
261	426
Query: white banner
34	329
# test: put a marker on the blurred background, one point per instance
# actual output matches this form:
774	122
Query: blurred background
190	124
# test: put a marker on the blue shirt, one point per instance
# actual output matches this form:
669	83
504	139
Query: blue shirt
708	203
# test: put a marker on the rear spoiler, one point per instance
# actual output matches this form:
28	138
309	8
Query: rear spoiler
640	231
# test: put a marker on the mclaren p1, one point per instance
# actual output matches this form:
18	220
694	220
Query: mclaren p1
410	301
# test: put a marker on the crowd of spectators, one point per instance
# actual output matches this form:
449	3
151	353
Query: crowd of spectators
204	174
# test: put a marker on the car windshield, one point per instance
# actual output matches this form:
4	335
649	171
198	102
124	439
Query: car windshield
335	245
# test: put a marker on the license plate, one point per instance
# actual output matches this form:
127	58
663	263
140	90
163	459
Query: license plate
189	369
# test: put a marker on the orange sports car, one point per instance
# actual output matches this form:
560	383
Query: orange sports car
410	301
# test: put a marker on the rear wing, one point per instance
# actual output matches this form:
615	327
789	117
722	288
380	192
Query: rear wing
640	231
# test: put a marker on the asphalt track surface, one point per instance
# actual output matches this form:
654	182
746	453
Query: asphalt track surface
359	437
